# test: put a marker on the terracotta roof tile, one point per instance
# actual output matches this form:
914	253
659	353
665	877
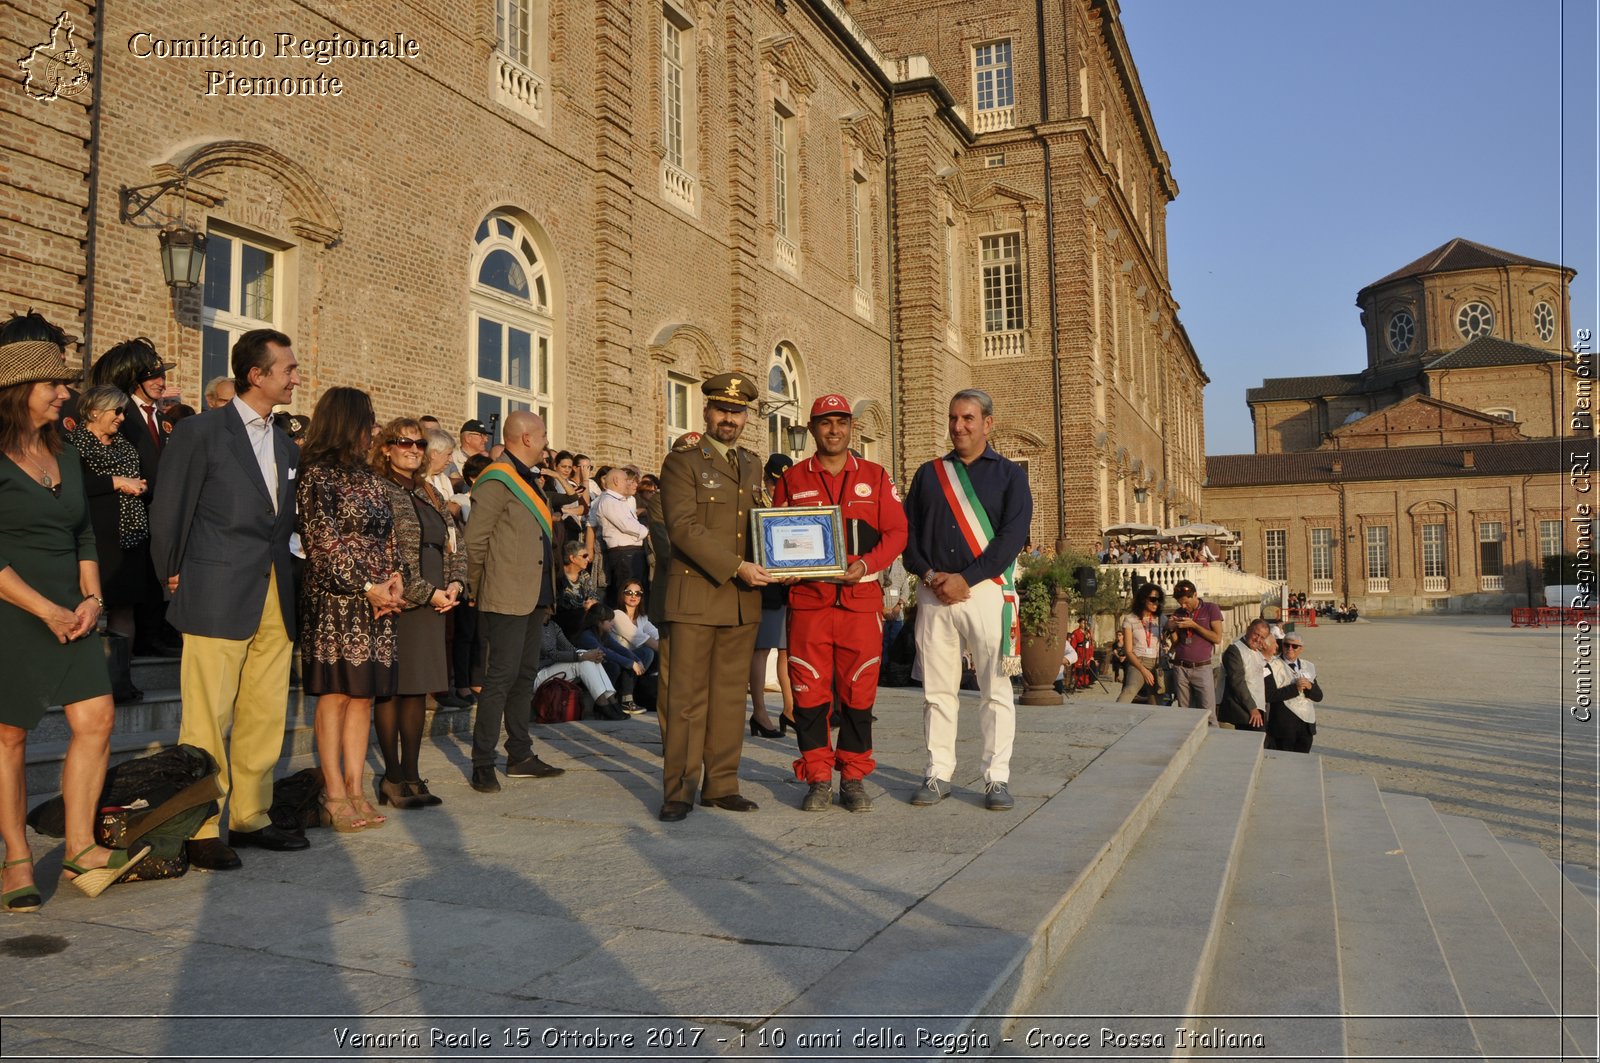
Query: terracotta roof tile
1459	254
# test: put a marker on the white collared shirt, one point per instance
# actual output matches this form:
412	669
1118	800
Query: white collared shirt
618	520
1255	673
258	430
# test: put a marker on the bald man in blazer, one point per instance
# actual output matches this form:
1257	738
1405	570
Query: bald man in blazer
219	538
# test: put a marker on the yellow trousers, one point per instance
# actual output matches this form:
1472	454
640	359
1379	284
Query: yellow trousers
240	685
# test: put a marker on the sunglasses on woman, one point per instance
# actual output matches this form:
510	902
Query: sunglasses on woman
407	443
633	594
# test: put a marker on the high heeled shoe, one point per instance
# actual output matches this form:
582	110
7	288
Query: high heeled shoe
399	794
373	817
419	787
23	898
341	814
94	880
785	725
757	731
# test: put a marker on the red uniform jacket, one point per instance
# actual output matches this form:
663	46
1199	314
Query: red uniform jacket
875	527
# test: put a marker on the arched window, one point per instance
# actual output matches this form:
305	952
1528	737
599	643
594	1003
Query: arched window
783	385
513	364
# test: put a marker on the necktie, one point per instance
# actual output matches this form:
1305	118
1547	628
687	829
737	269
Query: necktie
733	460
150	419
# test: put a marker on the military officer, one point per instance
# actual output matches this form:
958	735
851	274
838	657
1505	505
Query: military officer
711	604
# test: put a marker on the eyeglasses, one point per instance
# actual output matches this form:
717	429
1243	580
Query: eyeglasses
633	594
418	443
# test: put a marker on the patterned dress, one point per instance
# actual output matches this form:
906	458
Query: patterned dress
347	531
428	562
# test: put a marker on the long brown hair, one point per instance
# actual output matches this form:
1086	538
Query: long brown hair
341	428
16	431
378	462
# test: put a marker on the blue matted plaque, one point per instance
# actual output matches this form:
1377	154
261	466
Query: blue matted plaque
804	541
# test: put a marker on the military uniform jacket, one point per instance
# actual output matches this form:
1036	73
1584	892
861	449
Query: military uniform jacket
706	506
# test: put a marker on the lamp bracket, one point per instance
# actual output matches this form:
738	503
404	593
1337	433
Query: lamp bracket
134	203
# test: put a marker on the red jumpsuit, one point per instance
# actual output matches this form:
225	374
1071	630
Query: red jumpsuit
836	629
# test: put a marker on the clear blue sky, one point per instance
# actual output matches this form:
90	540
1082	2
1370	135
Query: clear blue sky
1318	146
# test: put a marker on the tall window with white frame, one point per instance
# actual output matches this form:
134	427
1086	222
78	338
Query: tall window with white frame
513	329
785	188
1435	560
1550	541
680	407
1321	561
993	90
1276	554
1002	294
241	292
1378	568
1491	555
783	397
678	75
520	57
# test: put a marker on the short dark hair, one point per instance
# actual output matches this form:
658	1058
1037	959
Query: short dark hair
427	418
252	352
571	549
1183	588
596	615
564	455
475	466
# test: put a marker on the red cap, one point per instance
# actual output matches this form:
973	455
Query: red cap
829	405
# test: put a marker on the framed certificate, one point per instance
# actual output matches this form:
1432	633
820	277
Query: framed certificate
803	541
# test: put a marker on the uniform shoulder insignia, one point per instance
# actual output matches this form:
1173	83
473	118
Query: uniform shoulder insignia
686	442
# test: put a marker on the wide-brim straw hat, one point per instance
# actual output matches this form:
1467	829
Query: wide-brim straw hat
32	361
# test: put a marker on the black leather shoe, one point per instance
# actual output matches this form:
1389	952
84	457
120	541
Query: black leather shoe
211	854
675	811
484	780
269	837
730	803
533	768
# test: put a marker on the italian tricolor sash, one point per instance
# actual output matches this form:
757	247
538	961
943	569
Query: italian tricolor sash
503	472
973	520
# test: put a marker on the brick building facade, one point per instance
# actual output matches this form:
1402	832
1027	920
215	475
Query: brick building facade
1441	477
585	209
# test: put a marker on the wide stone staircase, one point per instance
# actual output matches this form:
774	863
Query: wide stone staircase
1190	894
151	723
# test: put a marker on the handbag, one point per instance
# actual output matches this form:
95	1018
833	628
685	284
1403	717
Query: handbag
557	700
163	798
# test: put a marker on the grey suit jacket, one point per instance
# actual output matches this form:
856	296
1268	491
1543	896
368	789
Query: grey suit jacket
213	527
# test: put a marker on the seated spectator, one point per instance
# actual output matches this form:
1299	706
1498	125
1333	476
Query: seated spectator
580	666
621	663
575	590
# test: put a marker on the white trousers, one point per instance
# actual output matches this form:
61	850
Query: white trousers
941	631
590	674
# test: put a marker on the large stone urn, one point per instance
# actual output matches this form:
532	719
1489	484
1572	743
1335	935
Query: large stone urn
1041	658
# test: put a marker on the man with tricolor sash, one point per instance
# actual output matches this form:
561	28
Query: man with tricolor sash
511	576
969	514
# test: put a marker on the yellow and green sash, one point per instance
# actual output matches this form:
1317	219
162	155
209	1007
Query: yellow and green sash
503	472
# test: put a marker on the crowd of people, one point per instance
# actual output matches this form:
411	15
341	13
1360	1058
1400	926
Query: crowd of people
1197	552
391	563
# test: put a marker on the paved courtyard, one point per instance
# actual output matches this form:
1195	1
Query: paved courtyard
1468	712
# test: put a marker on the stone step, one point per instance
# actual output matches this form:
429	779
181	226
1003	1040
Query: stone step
1277	949
156	673
1563	900
1146	948
1557	964
1392	969
1490	975
977	948
43	760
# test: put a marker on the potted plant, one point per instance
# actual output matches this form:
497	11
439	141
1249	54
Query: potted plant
1047	591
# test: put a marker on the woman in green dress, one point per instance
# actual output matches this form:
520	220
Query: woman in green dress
49	606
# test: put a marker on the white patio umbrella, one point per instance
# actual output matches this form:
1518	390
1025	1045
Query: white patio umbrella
1197	531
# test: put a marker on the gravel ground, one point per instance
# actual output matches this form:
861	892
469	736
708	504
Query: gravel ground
1469	713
